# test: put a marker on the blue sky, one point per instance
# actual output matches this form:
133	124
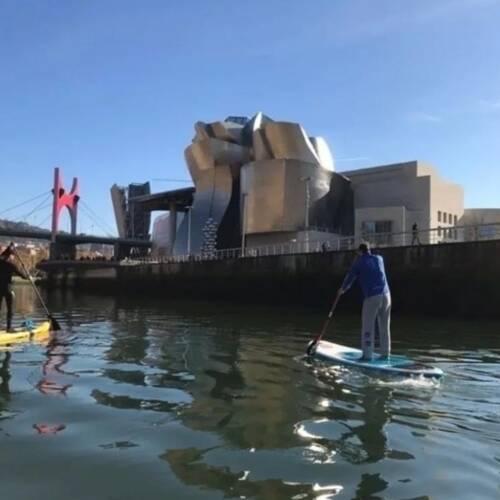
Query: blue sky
110	90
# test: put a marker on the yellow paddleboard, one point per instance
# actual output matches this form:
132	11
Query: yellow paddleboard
40	332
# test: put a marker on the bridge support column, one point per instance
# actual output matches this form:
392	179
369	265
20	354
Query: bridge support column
121	251
62	251
63	199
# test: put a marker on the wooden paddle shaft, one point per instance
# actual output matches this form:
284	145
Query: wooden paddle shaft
31	281
329	318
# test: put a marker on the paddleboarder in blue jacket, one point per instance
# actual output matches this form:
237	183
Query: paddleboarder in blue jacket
369	270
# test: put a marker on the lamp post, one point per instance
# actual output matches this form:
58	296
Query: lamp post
189	230
243	223
307	180
132	222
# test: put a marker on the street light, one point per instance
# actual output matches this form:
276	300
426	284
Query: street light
243	222
189	230
307	180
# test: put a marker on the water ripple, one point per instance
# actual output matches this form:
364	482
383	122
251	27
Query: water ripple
208	402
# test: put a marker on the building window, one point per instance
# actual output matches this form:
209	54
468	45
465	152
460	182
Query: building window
487	232
377	232
439	231
383	226
450	219
455	220
439	216
368	227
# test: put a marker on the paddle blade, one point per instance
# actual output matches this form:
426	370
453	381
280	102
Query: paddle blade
54	323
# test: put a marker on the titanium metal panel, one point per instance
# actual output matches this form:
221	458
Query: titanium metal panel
227	131
214	165
271	171
275	193
211	201
120	207
257	122
290	141
262	196
209	153
323	151
261	149
201	131
161	236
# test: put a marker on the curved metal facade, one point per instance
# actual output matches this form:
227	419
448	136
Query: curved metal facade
272	172
281	194
214	164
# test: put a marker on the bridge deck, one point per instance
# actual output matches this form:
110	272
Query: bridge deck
78	239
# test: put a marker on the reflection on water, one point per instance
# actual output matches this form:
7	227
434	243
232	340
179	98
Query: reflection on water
54	380
178	400
5	375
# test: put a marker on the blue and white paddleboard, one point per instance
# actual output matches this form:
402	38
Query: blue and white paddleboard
395	365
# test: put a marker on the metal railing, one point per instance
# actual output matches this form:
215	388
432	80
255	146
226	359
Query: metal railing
442	234
439	235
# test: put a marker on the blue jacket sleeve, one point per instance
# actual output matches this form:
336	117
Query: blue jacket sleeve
351	277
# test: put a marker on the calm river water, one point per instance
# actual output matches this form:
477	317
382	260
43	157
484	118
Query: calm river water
143	399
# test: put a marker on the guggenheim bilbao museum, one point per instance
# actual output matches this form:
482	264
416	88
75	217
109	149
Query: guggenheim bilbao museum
261	182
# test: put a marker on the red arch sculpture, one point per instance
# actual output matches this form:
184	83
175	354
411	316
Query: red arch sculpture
63	199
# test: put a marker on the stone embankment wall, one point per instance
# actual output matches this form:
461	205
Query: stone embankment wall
453	279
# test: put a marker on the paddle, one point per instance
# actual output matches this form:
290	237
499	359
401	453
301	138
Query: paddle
53	321
311	346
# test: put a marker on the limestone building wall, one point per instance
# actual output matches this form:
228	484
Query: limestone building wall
403	194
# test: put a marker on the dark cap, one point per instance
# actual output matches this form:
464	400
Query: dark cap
364	247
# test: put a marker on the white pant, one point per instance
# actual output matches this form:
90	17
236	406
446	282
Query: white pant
376	310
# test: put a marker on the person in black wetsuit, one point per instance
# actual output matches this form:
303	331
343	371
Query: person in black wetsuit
7	270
